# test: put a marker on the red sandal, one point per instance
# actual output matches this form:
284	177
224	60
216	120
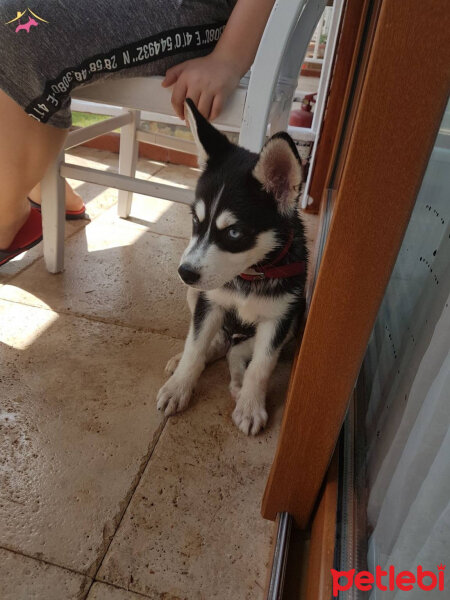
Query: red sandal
71	215
28	236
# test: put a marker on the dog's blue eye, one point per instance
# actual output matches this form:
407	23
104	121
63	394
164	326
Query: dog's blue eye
234	234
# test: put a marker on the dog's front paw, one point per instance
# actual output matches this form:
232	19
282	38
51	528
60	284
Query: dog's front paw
174	396
172	364
249	417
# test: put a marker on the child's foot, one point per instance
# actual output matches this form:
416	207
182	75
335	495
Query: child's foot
28	236
10	224
74	202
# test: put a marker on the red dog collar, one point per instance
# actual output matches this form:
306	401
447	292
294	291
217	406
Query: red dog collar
272	271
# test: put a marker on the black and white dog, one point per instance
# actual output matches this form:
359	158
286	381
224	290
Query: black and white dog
245	267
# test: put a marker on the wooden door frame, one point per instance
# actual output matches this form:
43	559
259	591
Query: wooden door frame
323	537
344	68
402	99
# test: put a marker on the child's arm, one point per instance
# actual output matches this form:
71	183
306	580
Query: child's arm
211	79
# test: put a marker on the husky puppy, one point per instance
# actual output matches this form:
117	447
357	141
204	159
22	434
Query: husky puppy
245	266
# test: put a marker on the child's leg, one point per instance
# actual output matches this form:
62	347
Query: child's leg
26	149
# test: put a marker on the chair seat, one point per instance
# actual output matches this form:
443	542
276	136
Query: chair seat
147	94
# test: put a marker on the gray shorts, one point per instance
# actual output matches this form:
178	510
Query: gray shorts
51	47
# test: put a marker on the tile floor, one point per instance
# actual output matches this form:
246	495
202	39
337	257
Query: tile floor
100	497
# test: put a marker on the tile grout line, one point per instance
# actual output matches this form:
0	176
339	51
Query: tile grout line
43	560
132	492
158	171
144	465
91	319
118	587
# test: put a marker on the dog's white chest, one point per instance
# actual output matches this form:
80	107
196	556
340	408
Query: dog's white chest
252	308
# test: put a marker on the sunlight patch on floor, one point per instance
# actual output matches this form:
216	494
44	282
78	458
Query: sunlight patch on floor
16	334
155	207
163	180
100	238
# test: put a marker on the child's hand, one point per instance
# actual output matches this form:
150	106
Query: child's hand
208	81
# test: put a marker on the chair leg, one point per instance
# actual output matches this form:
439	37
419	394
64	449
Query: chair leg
128	157
53	193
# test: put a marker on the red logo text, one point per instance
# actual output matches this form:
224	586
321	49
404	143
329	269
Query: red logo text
388	580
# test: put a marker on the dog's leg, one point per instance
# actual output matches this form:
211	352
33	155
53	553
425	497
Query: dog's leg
172	363
238	358
250	414
217	349
207	319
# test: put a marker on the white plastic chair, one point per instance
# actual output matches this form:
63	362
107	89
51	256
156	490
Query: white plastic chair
263	99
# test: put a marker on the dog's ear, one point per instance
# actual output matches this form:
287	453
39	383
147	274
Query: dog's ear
210	142
280	172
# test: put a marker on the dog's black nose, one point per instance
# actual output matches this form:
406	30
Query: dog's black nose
187	274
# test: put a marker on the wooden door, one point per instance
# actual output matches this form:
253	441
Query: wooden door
375	177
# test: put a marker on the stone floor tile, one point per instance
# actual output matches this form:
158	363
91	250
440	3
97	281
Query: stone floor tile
180	175
155	215
101	591
97	199
161	216
115	273
109	161
24	260
78	420
193	529
23	578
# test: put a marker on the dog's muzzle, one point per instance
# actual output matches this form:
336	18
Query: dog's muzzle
188	274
